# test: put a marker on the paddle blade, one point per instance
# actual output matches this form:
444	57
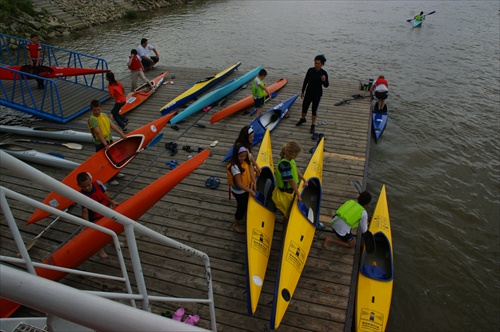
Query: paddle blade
431	13
74	146
155	140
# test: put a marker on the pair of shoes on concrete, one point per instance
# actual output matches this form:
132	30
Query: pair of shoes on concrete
300	122
190	320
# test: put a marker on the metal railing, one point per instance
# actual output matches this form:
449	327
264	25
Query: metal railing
17	167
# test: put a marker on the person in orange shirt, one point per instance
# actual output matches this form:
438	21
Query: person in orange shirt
35	57
118	92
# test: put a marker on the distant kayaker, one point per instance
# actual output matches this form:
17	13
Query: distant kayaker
98	192
241	179
349	215
259	92
312	90
35	58
144	50
137	70
288	177
419	17
381	87
118	92
100	126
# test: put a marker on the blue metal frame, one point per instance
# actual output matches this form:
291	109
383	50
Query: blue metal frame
50	107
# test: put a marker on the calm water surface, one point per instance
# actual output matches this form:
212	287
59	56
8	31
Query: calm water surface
440	153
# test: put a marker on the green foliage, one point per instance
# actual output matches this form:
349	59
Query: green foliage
130	15
10	7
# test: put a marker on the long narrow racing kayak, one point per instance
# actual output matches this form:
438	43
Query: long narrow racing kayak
89	241
245	102
260	225
105	164
215	95
50	132
47	71
376	273
379	120
268	120
302	223
142	93
197	89
34	156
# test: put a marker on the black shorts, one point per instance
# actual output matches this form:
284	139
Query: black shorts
346	238
259	102
381	95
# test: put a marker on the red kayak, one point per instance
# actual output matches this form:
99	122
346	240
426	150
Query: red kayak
105	164
245	102
47	72
142	93
89	241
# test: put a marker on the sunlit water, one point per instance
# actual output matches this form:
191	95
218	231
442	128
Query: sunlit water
439	156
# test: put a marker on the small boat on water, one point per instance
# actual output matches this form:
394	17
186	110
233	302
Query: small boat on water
89	241
142	93
34	156
197	89
376	273
105	164
260	224
245	102
50	132
216	94
417	24
268	120
47	71
302	223
379	120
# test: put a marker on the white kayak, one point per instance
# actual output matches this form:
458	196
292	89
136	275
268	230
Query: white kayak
48	132
27	154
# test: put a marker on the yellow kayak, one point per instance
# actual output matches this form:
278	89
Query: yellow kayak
304	218
260	224
375	279
197	89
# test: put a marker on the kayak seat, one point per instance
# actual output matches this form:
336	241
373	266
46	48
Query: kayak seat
374	272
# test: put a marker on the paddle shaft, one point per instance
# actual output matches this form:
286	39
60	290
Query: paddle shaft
368	236
273	95
32	242
74	146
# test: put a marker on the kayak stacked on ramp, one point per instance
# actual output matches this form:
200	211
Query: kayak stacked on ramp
245	102
379	120
376	273
260	225
46	71
268	120
49	132
105	164
197	89
34	156
215	95
302	223
142	93
89	241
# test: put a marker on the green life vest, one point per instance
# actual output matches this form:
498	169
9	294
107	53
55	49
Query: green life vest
279	178
257	90
418	17
350	212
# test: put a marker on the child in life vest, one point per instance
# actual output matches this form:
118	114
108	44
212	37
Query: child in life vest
241	178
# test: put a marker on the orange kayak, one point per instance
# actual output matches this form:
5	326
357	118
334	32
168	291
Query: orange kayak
245	102
142	93
105	164
47	72
89	241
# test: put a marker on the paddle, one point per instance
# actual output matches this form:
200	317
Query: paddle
422	17
33	241
154	141
74	146
347	101
368	236
189	85
273	95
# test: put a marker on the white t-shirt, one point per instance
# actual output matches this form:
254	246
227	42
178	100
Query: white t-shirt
342	228
141	51
234	171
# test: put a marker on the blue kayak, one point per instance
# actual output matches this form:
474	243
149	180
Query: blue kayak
269	119
215	95
417	23
379	120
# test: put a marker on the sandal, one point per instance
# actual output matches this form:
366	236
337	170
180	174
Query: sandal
192	320
186	148
209	181
178	314
214	143
173	152
215	183
174	127
314	136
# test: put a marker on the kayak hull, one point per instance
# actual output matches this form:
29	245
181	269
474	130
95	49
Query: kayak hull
215	95
48	132
30	155
197	89
302	223
417	24
89	241
105	164
142	94
260	225
269	119
379	120
375	277
245	102
47	72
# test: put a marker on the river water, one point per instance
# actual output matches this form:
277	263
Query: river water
439	156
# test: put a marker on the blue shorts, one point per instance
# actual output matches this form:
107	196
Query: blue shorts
346	238
259	102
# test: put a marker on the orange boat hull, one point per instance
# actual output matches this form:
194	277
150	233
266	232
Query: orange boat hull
137	98
100	166
245	102
89	241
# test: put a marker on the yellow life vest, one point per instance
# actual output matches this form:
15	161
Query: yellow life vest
246	179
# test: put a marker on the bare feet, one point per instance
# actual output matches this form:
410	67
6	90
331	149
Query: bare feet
103	254
238	228
325	242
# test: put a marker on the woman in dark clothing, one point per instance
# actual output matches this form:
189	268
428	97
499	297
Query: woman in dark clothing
312	90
